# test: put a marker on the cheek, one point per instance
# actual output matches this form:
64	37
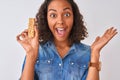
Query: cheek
70	23
51	24
48	20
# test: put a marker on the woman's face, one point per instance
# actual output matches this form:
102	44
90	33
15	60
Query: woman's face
60	19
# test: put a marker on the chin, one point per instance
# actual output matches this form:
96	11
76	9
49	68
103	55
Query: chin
61	39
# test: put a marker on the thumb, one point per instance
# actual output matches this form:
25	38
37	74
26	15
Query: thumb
97	38
36	31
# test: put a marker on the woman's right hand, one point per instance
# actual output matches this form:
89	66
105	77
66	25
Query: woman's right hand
30	45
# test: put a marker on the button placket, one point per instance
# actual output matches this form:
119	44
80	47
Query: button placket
60	65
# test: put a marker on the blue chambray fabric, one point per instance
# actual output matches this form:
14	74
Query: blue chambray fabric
50	66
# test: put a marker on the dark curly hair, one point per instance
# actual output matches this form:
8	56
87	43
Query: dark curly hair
78	32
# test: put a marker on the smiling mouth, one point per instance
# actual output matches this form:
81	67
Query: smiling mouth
61	31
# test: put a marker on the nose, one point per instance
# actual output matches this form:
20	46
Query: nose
60	20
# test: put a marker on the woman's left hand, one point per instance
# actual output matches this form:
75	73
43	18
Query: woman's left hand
100	42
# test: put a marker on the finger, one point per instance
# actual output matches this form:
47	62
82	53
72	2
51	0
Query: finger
24	35
19	39
36	24
108	31
36	31
112	34
97	38
36	27
113	31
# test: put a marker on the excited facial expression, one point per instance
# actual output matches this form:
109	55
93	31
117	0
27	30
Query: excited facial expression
60	19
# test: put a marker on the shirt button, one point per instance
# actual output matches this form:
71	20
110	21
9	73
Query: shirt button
60	64
72	63
84	66
48	61
37	61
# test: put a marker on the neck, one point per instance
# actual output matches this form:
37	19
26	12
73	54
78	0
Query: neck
62	47
61	44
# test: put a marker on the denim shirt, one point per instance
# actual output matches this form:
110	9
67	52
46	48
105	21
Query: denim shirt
73	66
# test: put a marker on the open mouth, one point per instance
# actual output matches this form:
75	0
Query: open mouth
61	31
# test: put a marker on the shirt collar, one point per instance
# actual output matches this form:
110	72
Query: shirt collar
50	44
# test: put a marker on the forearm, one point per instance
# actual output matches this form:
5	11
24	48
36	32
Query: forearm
28	71
98	44
93	73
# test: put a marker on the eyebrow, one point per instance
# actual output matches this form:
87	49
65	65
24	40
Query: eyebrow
52	10
67	8
56	10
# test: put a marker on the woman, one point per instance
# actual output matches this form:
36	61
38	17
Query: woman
56	51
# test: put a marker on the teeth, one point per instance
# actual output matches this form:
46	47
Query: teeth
60	31
60	28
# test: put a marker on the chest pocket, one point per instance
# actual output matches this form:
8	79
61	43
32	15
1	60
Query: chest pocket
45	65
45	69
77	70
45	61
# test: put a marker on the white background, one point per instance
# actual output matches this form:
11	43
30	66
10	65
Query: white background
98	15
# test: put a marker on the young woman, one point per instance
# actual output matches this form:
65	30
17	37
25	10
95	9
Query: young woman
56	51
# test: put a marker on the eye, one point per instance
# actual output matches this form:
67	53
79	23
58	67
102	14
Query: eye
53	15
67	14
